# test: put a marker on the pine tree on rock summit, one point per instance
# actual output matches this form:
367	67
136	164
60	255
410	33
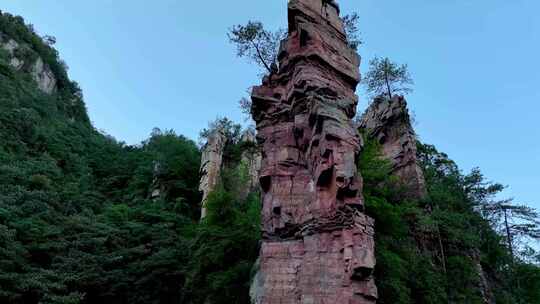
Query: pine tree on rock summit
387	78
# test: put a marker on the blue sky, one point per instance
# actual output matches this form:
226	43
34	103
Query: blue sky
168	64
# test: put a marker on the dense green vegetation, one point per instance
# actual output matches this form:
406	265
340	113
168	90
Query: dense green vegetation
78	223
428	251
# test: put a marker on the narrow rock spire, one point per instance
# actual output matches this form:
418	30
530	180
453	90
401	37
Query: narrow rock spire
211	161
317	243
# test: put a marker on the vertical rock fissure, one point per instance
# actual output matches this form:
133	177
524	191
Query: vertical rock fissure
319	247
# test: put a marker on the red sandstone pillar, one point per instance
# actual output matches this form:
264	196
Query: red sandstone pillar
317	243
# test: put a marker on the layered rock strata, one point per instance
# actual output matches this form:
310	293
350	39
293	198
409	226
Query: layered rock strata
389	122
317	243
23	58
211	161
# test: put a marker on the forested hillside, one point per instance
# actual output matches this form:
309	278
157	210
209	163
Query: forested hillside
78	223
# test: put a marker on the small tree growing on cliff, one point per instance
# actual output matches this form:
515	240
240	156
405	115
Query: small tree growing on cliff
387	78
514	222
257	44
261	46
350	23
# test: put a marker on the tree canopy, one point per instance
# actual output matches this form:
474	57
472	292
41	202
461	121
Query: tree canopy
259	45
387	78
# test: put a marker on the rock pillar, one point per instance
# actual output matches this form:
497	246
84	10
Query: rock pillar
211	161
317	243
388	121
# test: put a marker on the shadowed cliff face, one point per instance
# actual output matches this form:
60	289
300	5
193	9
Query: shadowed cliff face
317	243
388	121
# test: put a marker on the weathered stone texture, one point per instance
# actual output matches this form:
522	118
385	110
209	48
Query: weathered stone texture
317	244
211	161
40	72
388	121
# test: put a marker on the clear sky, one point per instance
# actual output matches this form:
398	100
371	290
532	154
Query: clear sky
168	64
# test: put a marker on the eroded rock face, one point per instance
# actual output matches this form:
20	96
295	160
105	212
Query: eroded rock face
388	121
317	243
41	73
211	161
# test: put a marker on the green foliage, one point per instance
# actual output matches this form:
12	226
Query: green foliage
428	251
17	29
387	78
76	224
350	23
224	250
256	43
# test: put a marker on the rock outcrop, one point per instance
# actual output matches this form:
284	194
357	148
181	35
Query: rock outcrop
388	121
23	58
156	189
211	161
317	244
251	160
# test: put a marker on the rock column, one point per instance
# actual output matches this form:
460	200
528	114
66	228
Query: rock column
388	122
317	243
211	161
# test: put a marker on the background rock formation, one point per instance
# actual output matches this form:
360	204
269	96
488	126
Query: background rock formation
251	161
214	160
211	161
23	58
317	244
388	121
